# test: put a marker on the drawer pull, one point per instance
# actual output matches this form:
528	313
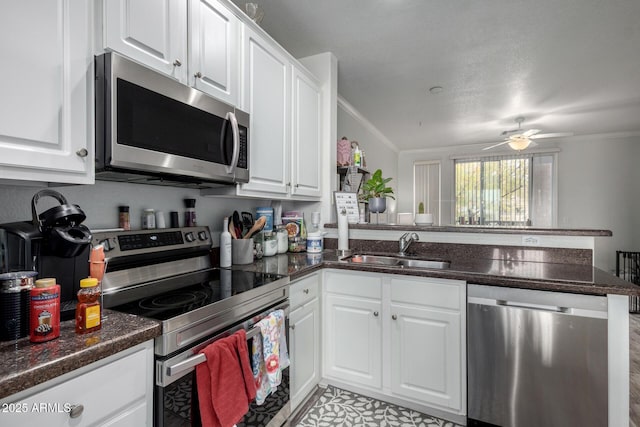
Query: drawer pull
292	327
394	317
76	411
375	313
306	291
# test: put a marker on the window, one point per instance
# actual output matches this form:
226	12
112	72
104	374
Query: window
426	188
505	190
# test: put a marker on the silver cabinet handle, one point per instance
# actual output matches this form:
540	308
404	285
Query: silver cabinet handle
76	411
198	75
292	327
306	291
82	152
394	317
177	63
375	313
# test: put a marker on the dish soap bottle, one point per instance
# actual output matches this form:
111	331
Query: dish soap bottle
225	244
88	310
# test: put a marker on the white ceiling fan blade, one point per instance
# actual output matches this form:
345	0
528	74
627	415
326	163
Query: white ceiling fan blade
496	145
530	132
552	135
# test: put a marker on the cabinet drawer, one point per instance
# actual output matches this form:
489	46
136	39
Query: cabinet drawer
304	290
431	292
355	284
107	394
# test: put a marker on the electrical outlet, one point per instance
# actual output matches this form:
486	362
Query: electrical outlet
530	241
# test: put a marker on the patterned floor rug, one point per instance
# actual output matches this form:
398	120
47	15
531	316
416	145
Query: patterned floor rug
337	407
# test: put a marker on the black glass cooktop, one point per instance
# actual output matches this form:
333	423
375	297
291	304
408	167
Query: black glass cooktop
194	291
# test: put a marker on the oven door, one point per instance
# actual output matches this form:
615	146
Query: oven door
176	391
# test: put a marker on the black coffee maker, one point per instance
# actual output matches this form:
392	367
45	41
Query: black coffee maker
54	243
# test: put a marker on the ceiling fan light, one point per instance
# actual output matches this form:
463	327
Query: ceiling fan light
519	142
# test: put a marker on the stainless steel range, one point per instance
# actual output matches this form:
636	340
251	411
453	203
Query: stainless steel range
167	275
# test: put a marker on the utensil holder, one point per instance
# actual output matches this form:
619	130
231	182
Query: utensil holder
242	251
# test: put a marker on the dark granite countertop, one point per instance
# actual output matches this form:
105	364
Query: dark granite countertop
480	229
561	277
24	364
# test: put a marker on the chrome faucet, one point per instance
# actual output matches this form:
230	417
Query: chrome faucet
406	240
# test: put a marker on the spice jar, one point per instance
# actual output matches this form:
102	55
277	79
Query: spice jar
148	219
88	310
123	218
190	213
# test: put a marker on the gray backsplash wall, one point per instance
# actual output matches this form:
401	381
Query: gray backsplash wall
100	203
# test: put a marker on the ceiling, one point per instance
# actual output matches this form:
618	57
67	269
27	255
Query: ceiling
565	65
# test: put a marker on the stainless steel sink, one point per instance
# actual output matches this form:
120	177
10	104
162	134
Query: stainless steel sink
397	260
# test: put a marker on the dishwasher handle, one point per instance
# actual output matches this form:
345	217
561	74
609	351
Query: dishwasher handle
529	306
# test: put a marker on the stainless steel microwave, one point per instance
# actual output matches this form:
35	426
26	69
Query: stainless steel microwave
153	129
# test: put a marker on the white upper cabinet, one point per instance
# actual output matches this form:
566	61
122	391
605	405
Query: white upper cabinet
152	32
306	136
213	50
266	97
46	131
197	45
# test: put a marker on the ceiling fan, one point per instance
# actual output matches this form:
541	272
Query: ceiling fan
519	140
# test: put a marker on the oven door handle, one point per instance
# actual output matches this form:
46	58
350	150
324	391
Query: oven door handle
200	358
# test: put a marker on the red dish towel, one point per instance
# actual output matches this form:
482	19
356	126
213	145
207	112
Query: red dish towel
225	382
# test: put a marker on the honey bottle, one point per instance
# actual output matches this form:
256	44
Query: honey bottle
88	310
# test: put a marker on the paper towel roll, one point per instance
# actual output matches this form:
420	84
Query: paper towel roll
343	231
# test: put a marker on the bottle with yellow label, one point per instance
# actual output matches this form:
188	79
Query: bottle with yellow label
88	310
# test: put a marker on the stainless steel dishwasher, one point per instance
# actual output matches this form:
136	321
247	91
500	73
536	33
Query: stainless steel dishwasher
536	358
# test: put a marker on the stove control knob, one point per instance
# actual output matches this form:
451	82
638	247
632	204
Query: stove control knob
106	245
202	235
189	237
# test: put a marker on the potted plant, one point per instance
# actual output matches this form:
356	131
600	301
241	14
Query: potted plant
375	192
423	218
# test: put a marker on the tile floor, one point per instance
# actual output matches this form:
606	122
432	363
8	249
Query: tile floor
337	407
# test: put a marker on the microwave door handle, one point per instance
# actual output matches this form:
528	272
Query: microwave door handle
236	142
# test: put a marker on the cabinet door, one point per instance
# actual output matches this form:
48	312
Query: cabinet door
152	32
213	50
46	130
266	85
426	355
353	340
116	393
304	337
307	136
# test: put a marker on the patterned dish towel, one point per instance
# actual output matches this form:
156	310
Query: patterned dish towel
270	355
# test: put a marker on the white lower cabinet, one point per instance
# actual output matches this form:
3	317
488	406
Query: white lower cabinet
402	337
304	338
353	328
426	340
107	393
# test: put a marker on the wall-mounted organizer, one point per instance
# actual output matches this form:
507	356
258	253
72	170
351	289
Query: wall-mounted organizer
351	178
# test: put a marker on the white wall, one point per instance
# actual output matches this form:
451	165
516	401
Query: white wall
598	188
100	203
380	152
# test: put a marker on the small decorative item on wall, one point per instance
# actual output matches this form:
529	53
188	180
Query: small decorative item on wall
344	152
